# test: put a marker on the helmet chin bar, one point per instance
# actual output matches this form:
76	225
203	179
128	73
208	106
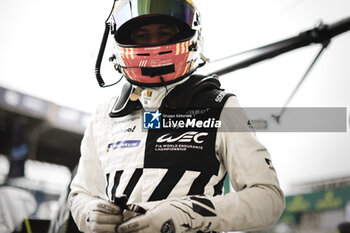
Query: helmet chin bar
161	82
161	70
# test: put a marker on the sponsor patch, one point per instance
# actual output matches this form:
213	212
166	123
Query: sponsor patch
123	144
125	130
220	97
132	225
147	93
146	97
269	163
168	227
250	125
189	140
185	137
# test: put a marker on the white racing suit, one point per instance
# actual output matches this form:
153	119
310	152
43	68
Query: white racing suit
116	158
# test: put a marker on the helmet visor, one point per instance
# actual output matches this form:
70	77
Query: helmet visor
129	9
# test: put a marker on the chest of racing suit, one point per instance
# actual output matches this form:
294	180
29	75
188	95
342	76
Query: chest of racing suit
119	156
169	161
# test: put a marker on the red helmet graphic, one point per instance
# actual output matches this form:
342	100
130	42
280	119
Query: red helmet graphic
163	62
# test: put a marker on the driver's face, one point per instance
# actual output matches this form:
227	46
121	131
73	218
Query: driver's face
153	34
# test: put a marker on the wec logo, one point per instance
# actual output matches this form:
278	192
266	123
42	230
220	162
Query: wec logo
185	137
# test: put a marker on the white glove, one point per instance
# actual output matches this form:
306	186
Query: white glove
189	214
103	216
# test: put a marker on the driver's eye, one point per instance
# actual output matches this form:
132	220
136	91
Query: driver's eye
153	34
141	36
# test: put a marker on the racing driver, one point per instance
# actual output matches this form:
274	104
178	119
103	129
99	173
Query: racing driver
155	158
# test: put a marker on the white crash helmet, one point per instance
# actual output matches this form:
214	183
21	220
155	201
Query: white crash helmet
156	64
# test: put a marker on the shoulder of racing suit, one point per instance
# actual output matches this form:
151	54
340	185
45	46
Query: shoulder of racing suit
179	98
123	105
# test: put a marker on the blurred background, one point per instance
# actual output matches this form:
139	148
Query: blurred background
48	92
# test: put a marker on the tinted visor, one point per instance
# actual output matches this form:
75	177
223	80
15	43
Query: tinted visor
125	35
180	9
